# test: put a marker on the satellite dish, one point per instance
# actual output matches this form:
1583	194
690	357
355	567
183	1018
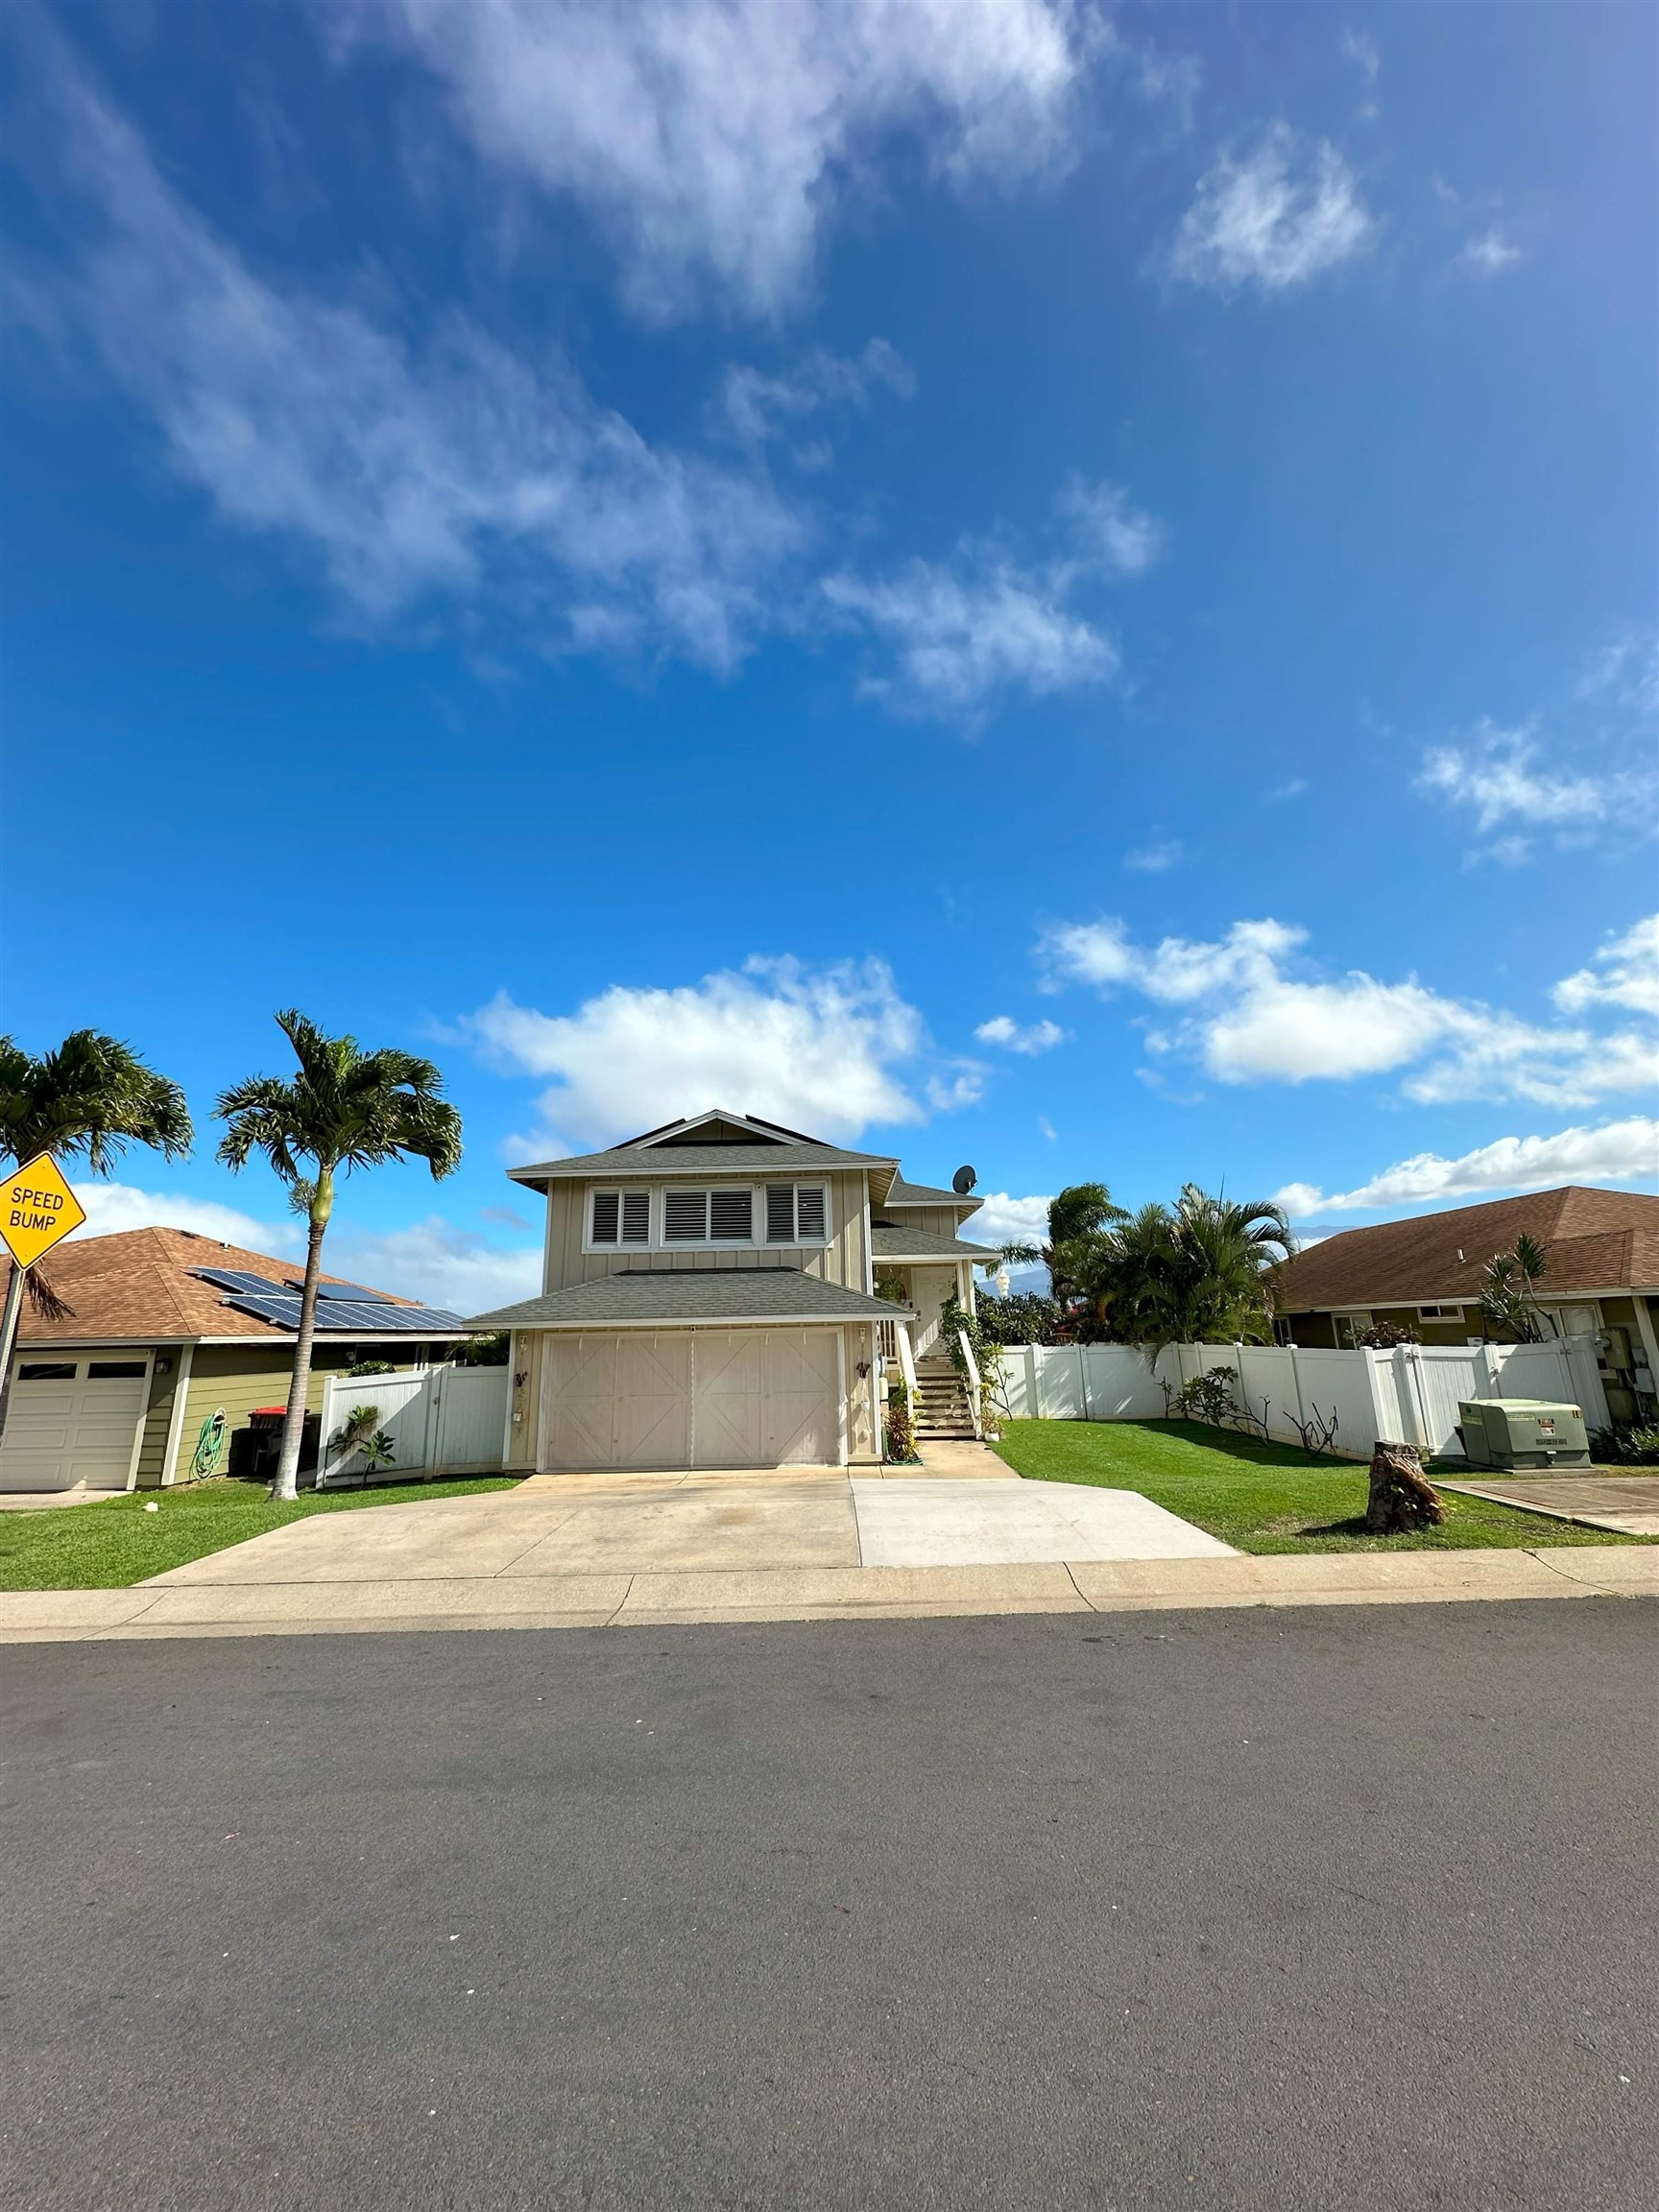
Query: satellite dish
962	1181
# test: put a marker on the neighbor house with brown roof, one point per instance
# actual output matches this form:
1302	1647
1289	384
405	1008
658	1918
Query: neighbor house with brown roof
1601	1281
172	1342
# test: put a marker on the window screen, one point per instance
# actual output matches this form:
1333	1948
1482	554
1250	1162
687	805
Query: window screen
685	1217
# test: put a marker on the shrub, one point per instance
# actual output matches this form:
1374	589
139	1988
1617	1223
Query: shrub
1022	1318
1626	1447
901	1428
1207	1398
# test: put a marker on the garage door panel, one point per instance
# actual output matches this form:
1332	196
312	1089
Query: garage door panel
59	1434
653	1424
730	1419
578	1400
803	1395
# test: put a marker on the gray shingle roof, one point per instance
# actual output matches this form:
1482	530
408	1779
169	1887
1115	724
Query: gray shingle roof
893	1240
904	1194
678	1161
680	1295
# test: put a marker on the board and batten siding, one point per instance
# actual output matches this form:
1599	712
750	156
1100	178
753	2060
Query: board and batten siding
159	1418
939	1219
845	1260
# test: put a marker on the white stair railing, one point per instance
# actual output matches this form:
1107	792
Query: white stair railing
972	1380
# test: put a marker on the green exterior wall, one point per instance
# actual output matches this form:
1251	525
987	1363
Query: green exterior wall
153	1451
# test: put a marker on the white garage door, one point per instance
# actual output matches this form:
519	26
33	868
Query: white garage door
73	1419
692	1398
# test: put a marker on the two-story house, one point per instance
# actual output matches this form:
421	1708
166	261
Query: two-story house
710	1299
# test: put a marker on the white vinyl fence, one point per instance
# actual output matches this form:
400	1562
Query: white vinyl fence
1410	1395
441	1420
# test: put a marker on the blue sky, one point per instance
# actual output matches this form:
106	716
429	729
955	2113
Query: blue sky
1063	589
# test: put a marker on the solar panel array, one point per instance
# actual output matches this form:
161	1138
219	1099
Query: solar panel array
357	1317
238	1279
354	1290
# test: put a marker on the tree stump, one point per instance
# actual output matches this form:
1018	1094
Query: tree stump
1401	1497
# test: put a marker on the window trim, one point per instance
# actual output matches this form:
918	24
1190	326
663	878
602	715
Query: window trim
758	1240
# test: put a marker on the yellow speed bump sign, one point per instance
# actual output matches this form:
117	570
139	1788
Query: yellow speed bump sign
36	1207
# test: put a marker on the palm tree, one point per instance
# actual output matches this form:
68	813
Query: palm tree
1200	1272
89	1099
1081	1224
345	1109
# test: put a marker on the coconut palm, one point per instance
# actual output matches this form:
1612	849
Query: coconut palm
345	1109
90	1099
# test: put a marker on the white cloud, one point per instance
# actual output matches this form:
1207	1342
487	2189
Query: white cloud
1513	789
1002	1029
1108	531
966	634
1617	1152
1156	859
1005	1220
435	1262
792	406
1629	974
1489	254
819	1049
1362	50
710	139
112	1208
1250	1018
1276	219
403	469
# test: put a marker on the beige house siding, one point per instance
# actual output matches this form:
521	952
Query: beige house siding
941	1219
844	1259
157	1418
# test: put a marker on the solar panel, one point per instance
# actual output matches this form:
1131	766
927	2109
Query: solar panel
238	1279
353	1290
344	1317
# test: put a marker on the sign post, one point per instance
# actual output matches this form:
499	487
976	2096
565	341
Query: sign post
37	1209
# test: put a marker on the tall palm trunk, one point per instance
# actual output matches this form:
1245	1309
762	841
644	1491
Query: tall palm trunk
287	1482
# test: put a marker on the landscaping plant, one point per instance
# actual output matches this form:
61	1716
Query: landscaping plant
345	1109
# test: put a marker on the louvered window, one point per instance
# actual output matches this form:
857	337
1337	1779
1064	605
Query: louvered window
732	1217
795	1214
685	1217
621	1216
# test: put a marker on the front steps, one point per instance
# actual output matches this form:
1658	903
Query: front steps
942	1409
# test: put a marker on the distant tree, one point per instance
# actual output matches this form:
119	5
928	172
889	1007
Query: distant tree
88	1099
345	1109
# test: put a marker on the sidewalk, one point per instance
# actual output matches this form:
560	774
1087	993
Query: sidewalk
657	1600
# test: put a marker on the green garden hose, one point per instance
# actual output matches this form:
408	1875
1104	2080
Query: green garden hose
205	1458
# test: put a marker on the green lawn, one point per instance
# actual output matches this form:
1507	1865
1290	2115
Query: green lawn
115	1542
1262	1497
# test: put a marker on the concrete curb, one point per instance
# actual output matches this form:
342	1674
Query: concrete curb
154	1611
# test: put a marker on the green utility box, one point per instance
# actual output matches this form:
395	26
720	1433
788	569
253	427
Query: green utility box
1523	1433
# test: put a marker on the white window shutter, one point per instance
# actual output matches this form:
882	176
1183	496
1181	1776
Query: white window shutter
637	1218
732	1217
605	1213
779	1212
810	1213
685	1217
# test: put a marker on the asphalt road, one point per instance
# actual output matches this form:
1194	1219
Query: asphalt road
1347	1907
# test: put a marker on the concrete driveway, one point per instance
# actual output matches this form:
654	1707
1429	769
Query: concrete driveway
976	1515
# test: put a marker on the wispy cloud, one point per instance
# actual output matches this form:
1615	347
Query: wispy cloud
1156	859
712	140
403	469
1363	50
1489	254
1273	219
113	1208
1616	1152
828	1050
1625	973
1252	1011
995	619
1034	1038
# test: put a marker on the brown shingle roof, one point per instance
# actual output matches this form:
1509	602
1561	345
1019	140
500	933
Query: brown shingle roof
136	1285
1594	1241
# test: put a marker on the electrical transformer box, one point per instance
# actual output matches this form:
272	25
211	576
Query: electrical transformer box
1523	1433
